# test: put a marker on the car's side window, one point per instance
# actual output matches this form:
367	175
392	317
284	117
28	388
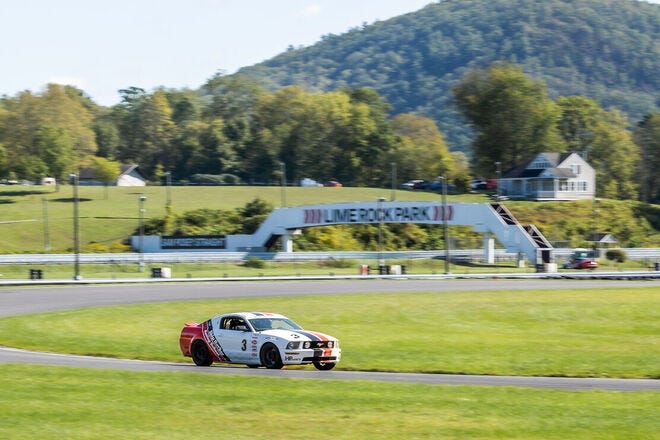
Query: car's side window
235	324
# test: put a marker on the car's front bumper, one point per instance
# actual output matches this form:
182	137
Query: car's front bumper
307	356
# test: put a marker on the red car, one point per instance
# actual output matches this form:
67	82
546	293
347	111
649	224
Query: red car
581	263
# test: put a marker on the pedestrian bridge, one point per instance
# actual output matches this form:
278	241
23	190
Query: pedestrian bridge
491	219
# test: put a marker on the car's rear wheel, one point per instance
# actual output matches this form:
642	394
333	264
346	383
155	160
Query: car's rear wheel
270	357
201	355
324	366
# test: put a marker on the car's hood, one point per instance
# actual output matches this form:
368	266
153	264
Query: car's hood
298	335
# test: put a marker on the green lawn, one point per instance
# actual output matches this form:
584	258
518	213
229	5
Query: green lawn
590	333
57	403
595	332
232	269
110	220
285	269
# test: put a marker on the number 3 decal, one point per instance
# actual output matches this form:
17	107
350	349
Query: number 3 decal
244	344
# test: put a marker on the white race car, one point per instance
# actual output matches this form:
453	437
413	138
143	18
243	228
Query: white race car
257	339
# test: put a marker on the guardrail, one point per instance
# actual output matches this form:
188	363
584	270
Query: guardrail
623	275
638	254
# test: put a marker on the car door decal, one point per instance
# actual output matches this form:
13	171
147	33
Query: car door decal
212	342
311	335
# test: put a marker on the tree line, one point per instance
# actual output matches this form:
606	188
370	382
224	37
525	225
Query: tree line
603	49
239	132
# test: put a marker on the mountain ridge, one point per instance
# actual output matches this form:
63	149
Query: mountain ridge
607	50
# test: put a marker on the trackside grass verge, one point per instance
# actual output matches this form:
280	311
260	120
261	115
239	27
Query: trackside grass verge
584	333
46	402
327	267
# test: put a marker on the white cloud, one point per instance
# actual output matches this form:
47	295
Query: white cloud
310	11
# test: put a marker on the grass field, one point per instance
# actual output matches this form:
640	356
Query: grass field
231	269
58	403
111	220
595	332
589	333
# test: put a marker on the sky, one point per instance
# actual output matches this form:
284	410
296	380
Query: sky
101	46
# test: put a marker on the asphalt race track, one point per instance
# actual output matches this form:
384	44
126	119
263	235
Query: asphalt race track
18	301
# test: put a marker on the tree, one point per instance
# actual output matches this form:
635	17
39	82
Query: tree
53	147
513	116
579	117
422	152
105	170
3	161
48	131
647	136
615	157
602	139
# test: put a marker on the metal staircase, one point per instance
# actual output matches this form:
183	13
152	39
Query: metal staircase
504	213
538	238
521	238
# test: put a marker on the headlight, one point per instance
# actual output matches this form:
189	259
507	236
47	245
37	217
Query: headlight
293	345
307	344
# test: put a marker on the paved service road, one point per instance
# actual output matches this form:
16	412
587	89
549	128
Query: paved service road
37	300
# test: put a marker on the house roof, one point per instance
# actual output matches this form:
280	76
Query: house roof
127	168
522	171
603	238
87	173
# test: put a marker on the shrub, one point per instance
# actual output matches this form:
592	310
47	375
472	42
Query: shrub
617	255
254	263
337	263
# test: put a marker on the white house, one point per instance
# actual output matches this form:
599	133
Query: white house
550	176
129	176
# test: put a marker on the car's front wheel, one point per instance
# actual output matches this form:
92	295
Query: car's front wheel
270	357
200	354
324	366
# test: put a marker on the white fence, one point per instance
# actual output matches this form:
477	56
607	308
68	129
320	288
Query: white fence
639	254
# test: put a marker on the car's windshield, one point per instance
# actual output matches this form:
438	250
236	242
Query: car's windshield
261	324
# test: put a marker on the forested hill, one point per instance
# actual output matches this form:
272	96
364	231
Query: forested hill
607	50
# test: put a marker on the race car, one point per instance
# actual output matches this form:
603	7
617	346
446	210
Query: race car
257	339
581	263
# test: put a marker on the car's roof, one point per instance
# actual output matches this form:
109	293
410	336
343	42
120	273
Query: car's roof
253	315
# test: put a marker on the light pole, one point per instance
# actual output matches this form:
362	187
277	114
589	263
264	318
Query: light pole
498	165
73	179
393	180
141	199
283	183
445	218
168	182
44	204
595	231
379	209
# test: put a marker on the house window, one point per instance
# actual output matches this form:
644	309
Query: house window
582	186
563	185
576	169
540	165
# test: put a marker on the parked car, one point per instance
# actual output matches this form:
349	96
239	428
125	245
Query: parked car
581	263
478	184
307	182
257	339
332	183
409	185
437	186
491	183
